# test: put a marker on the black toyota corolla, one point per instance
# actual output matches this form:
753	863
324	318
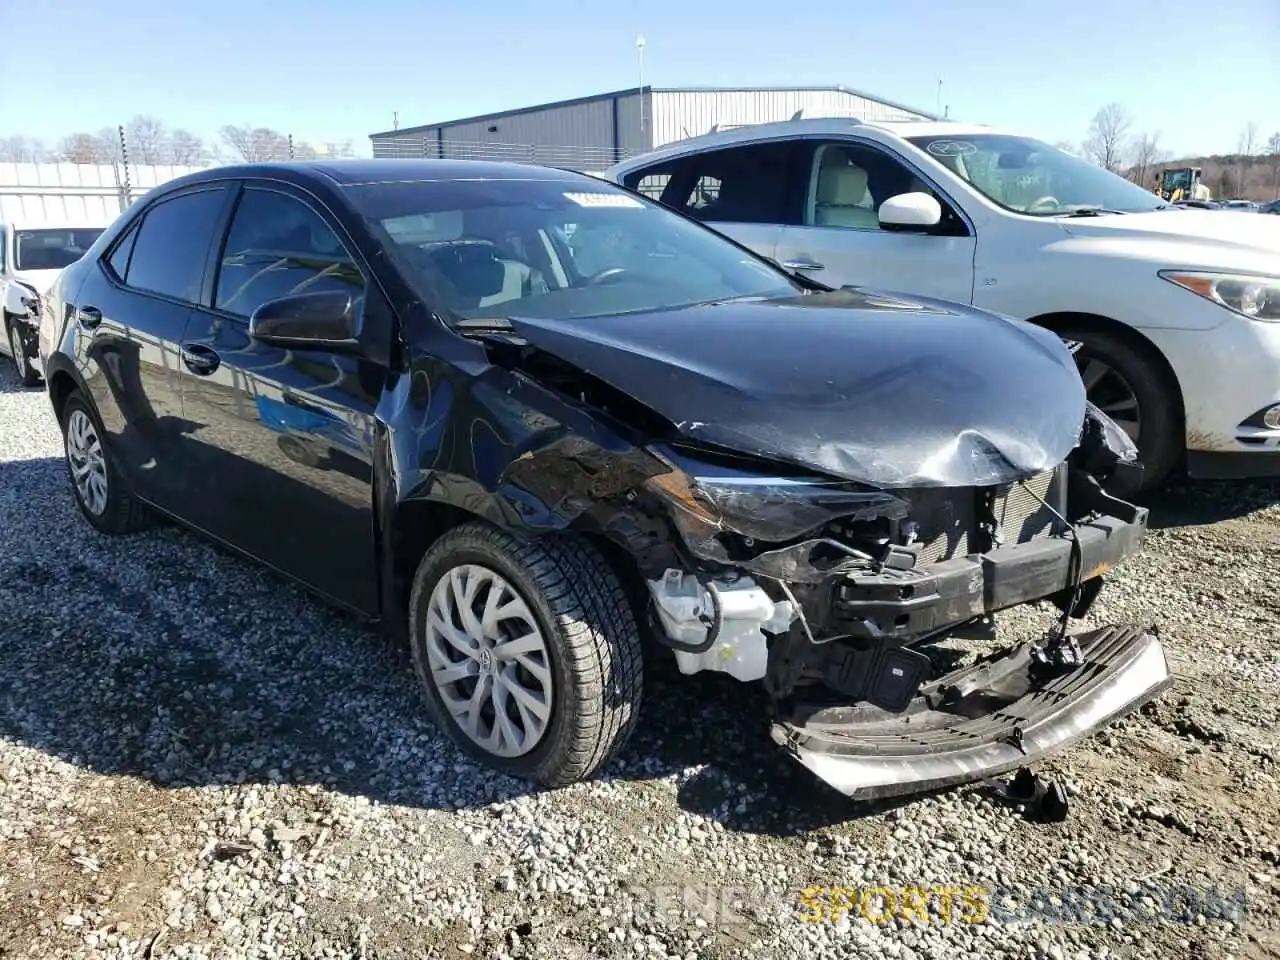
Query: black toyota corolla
525	420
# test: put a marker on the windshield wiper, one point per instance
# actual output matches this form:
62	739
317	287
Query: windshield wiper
1092	212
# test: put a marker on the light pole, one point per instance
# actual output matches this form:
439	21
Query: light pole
640	56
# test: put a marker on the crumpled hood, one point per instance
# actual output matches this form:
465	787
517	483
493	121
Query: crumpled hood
877	388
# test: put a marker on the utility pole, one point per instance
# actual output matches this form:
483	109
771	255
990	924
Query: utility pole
640	54
938	108
395	120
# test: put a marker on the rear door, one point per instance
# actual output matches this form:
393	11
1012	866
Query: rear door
744	191
839	240
130	314
281	448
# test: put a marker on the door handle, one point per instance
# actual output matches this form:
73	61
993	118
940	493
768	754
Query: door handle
803	265
89	317
200	360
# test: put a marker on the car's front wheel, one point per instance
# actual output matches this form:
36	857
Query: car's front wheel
26	373
1132	389
99	489
527	651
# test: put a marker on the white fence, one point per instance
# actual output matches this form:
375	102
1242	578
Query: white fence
71	194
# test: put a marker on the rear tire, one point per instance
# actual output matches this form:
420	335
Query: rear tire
1132	388
26	373
576	643
96	482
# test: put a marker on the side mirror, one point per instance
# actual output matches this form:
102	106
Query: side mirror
912	211
324	320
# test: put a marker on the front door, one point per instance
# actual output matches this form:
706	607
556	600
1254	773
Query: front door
132	311
839	240
284	437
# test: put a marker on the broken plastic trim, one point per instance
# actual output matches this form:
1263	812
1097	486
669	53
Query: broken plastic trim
1007	720
707	500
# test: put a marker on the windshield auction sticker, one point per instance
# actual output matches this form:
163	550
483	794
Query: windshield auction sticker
602	200
952	148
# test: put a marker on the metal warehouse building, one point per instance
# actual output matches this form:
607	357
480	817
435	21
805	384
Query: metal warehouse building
591	133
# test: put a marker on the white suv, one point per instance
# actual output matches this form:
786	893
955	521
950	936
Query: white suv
1174	314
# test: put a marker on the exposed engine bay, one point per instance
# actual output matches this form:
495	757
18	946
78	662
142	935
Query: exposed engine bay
826	570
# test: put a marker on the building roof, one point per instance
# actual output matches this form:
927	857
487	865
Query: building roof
630	91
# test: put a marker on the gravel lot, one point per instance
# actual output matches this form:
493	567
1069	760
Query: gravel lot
196	760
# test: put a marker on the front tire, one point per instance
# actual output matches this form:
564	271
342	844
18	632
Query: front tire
96	483
26	373
1132	388
527	652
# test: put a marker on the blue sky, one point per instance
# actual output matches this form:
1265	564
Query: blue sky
326	70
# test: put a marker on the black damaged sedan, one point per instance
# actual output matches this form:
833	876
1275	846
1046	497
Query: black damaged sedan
527	420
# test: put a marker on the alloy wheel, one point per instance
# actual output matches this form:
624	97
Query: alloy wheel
1110	392
489	660
87	461
19	355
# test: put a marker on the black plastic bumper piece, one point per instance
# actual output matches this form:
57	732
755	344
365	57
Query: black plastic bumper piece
911	603
1008	716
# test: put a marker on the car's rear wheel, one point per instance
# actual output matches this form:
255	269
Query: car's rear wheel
1132	389
26	373
99	489
527	651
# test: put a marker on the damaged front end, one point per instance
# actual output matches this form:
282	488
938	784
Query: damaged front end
836	595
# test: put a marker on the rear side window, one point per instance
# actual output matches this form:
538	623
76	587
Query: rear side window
278	246
747	184
651	182
119	259
172	245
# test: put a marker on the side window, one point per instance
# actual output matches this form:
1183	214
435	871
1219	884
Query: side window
849	181
650	182
746	184
119	259
278	246
172	245
4	244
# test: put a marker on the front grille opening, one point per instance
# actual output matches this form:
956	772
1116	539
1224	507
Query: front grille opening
947	519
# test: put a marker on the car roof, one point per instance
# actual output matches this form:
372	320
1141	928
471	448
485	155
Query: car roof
810	127
376	170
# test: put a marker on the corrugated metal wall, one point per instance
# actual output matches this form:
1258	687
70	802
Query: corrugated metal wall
581	135
679	115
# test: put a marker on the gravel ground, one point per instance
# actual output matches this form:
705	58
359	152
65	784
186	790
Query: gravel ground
198	761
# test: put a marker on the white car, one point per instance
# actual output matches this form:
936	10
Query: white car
30	260
1174	314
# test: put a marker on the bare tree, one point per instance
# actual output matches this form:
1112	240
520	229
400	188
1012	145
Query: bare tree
1146	154
145	137
1108	132
254	144
21	149
101	147
1273	152
1248	141
186	149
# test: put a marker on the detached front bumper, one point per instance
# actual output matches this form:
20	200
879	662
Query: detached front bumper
917	601
978	722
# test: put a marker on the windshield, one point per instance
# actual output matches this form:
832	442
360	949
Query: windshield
52	249
1034	178
555	249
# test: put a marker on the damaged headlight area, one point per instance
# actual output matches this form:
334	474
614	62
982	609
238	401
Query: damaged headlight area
834	595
